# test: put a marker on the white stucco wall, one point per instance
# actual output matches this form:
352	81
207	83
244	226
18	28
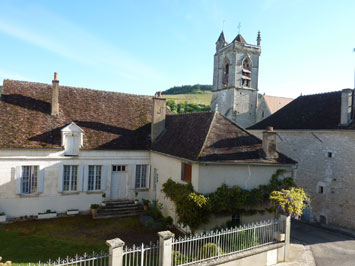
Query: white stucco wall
15	205
336	174
245	176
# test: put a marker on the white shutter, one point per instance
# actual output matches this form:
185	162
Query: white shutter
86	177
80	177
148	176
41	173
60	178
104	176
133	177
18	179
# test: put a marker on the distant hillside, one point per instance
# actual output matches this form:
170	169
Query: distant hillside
0	89
188	89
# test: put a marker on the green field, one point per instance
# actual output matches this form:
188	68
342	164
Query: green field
198	98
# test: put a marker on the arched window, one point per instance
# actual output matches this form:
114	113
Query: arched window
225	73
246	72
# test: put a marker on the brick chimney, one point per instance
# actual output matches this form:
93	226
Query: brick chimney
269	143
55	95
346	107
158	116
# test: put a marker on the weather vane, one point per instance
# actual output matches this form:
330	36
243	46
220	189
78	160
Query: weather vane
223	24
239	26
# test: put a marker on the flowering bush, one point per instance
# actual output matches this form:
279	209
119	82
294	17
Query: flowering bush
290	202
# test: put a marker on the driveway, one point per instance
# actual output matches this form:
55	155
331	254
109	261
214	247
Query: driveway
328	248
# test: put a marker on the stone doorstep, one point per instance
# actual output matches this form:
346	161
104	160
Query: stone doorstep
238	256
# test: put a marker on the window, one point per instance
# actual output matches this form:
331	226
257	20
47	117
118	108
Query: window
246	73
29	179
70	178
118	168
330	154
320	189
186	172
94	177
141	176
225	74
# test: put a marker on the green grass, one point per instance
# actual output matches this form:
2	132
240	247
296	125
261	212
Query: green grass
41	240
199	98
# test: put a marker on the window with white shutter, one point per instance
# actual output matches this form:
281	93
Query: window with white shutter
142	171
29	179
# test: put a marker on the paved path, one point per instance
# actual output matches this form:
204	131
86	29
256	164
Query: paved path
328	248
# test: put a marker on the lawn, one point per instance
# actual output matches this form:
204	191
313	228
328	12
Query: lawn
198	98
41	240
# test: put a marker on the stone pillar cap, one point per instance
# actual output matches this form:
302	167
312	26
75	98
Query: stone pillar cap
166	235
115	243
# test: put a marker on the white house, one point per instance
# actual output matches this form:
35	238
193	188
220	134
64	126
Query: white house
62	147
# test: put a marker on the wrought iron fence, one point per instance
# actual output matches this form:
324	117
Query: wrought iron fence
92	259
142	255
198	248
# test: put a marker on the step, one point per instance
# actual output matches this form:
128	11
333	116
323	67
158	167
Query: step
104	209
119	205
119	202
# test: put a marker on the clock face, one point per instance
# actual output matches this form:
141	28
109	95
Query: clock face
223	95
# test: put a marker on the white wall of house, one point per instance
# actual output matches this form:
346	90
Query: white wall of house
336	174
212	176
50	163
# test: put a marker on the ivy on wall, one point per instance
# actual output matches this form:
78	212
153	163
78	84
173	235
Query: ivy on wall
194	209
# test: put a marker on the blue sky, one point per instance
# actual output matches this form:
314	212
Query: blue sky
144	46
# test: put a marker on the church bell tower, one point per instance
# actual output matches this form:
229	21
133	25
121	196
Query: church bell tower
235	79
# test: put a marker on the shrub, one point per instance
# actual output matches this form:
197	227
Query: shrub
179	258
244	240
210	250
94	206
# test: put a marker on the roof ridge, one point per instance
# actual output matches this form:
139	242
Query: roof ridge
78	88
207	135
277	96
322	93
202	112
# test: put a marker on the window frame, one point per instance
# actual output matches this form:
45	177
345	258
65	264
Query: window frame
96	180
141	175
186	172
70	181
33	179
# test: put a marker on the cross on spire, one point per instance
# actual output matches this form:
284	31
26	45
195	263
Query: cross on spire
239	26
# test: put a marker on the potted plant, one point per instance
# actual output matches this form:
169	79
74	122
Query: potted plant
93	209
2	217
72	212
103	199
145	204
47	215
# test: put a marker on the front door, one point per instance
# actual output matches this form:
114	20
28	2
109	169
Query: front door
118	185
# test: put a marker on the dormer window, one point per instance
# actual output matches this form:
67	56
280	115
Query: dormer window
246	73
72	139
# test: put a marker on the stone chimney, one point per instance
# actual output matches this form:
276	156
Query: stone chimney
55	95
158	116
269	143
346	107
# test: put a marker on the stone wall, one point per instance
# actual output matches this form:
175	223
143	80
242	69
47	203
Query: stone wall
325	170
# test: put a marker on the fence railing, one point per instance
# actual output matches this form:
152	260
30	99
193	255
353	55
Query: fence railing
141	255
92	259
198	248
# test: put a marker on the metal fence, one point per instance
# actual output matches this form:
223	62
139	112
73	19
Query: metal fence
92	259
198	248
141	255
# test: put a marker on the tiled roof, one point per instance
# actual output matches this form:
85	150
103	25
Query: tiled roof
210	136
276	103
318	111
110	120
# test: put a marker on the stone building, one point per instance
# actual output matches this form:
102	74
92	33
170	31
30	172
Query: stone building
235	79
319	132
62	148
269	105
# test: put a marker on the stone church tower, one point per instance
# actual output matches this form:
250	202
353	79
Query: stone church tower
235	79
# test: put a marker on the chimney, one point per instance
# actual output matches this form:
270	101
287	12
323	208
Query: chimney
269	143
158	116
55	95
258	39
346	107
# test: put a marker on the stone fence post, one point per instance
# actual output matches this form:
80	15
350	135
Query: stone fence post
165	241
115	251
287	236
